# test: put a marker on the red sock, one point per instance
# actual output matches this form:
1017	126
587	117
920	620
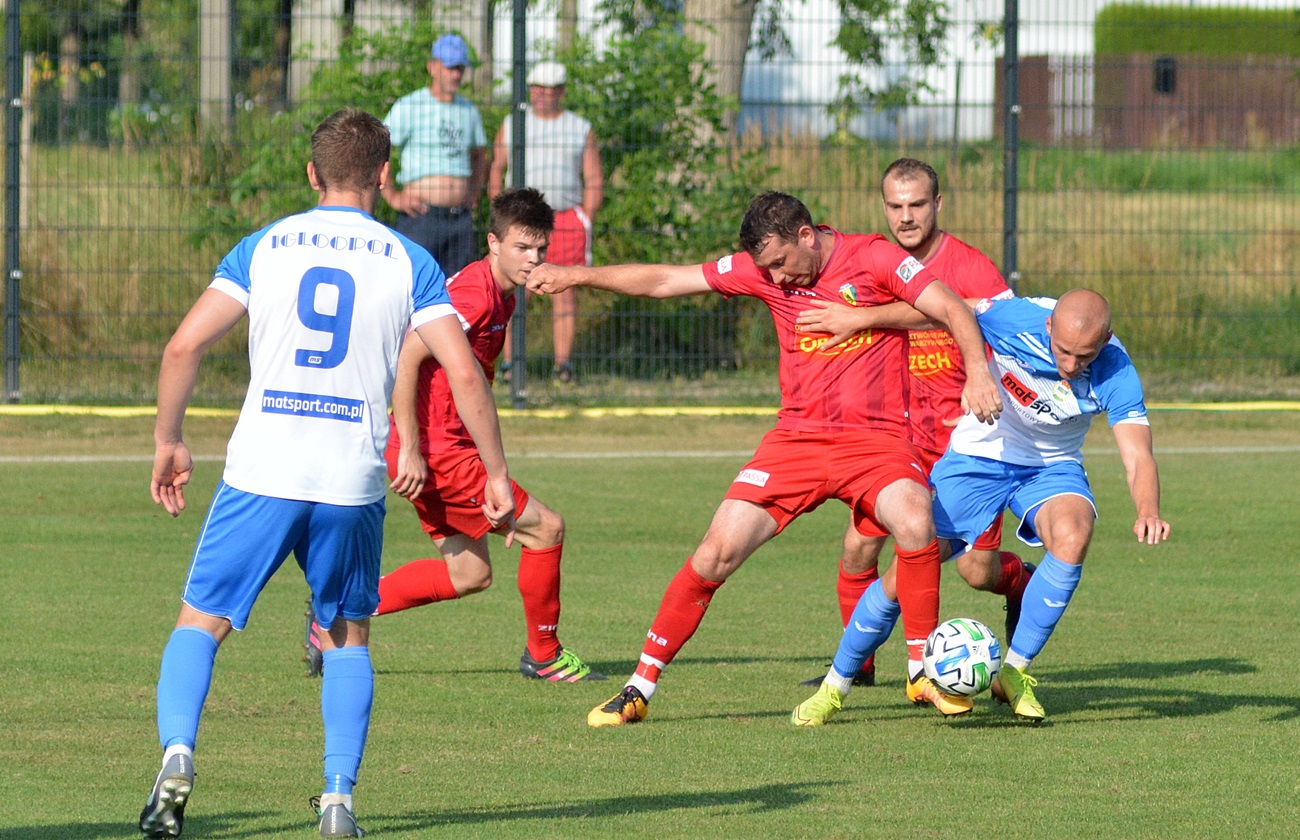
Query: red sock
539	585
415	584
680	613
849	588
918	595
1012	580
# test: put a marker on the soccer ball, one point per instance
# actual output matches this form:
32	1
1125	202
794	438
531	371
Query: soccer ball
962	656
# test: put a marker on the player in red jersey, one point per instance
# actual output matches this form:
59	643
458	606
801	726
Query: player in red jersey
842	429
433	461
909	189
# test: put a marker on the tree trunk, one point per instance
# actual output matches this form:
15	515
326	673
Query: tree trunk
723	27
283	52
568	24
128	83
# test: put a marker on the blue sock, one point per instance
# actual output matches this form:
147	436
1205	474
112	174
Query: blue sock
346	691
1046	597
183	681
871	623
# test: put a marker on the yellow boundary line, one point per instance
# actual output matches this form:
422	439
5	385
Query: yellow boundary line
560	413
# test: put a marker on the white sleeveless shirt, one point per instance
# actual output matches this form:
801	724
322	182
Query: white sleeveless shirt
553	156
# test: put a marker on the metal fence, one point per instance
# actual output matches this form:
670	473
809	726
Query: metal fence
146	137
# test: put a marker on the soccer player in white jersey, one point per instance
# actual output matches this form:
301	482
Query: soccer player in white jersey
1057	366
329	295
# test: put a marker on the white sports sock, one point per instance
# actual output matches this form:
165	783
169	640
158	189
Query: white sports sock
328	799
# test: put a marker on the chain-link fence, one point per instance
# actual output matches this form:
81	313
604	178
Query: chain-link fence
1153	155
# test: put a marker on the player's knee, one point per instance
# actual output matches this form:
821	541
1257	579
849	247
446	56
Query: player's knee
712	561
907	514
550	529
914	532
473	582
1069	543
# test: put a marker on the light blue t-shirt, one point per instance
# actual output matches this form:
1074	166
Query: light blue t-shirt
434	137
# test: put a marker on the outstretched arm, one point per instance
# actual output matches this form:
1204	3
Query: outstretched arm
980	393
1135	450
652	281
212	316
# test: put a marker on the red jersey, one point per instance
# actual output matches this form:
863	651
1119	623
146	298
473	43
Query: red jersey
860	384
484	311
933	358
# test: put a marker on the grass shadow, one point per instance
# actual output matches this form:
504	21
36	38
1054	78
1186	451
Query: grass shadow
753	800
227	825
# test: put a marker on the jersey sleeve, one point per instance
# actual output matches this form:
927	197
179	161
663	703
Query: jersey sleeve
397	124
1003	316
470	303
734	274
899	272
428	288
234	275
1118	388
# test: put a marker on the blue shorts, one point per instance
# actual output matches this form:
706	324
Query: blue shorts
970	492
246	538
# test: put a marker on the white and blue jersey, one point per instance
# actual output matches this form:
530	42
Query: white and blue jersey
330	294
1045	418
1034	450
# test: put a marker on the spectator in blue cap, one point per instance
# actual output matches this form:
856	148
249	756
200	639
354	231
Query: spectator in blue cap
443	164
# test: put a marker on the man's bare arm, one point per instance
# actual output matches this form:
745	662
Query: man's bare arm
651	281
1135	450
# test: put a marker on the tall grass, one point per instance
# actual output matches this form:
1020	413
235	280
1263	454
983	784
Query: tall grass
1198	252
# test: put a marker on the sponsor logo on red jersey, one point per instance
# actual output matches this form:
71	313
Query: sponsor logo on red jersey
724	264
908	269
849	293
812	344
928	364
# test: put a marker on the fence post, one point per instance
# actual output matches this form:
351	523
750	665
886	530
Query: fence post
1010	143
518	101
13	210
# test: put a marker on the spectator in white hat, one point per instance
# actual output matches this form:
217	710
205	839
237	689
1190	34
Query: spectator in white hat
561	160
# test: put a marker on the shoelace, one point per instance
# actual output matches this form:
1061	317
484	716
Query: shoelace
569	665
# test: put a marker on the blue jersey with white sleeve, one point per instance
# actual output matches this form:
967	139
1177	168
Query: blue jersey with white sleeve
330	295
1045	418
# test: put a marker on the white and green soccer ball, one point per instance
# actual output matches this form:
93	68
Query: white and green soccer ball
962	656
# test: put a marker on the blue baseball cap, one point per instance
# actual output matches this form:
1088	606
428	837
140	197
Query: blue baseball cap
451	51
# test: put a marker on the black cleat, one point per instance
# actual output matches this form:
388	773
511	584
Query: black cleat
164	815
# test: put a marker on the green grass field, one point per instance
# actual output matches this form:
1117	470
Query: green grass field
1171	685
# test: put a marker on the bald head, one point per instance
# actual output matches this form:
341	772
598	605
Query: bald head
1085	310
1079	327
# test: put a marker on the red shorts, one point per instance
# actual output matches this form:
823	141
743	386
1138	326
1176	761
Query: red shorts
792	473
571	239
989	540
452	500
